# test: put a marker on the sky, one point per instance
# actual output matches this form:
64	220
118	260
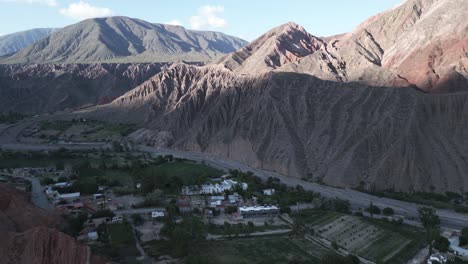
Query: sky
247	19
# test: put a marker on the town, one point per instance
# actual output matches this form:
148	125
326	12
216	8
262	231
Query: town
131	206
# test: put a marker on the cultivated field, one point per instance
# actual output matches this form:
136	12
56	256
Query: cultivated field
265	249
369	239
75	131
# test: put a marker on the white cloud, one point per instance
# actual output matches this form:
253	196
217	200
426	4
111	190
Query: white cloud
208	17
82	10
44	2
174	22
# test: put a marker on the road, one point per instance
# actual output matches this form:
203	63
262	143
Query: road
358	200
449	219
38	197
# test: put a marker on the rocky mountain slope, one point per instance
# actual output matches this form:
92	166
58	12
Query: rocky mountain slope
11	43
123	39
342	134
28	235
420	42
39	88
279	46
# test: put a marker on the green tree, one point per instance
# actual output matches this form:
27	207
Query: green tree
335	245
388	211
431	222
137	219
464	237
373	210
442	244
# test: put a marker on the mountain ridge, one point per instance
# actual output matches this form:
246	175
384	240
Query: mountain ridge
338	133
123	39
14	42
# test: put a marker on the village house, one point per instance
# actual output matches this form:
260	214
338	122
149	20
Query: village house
226	185
184	204
269	192
156	215
259	211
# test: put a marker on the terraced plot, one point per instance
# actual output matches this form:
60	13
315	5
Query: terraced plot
362	237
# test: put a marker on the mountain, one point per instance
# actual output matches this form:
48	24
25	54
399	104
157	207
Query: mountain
11	43
338	133
29	235
38	88
420	42
382	107
123	39
284	44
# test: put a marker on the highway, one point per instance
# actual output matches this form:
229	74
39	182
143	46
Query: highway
449	219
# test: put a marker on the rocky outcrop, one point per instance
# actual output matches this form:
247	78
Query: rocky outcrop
342	134
18	214
279	46
39	88
28	234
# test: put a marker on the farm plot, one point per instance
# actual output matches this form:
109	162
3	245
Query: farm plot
365	238
362	238
264	249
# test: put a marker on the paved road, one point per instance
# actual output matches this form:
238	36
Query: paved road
451	219
38	196
357	199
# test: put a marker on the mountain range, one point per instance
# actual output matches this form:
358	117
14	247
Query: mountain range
381	107
11	43
123	40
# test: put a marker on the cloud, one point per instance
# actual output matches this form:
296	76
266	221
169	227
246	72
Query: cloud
208	17
43	2
174	22
82	10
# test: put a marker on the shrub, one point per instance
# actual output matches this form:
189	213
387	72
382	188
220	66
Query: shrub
441	244
388	211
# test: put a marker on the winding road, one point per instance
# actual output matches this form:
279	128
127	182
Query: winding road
449	219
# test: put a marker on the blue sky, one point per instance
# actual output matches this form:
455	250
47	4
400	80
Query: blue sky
243	18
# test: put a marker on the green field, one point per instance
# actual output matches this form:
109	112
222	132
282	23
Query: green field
170	177
120	234
368	238
117	244
265	249
81	131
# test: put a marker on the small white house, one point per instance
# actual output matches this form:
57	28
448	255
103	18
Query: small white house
117	219
93	236
268	192
62	184
98	196
157	214
437	258
69	196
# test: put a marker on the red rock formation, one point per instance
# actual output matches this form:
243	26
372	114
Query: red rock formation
28	234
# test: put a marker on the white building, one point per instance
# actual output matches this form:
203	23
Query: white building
268	192
69	196
226	185
437	258
62	184
92	236
258	211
